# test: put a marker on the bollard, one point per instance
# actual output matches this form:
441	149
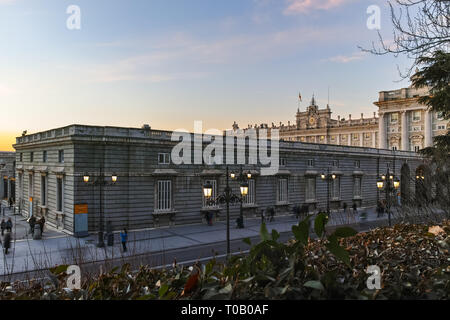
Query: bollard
37	235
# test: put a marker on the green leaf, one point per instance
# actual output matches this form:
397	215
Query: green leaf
59	269
162	291
345	232
301	232
319	224
247	241
264	233
314	285
275	235
334	247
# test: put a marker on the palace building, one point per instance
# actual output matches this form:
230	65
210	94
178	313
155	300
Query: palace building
139	185
403	124
7	174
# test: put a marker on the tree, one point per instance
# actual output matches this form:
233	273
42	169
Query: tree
420	28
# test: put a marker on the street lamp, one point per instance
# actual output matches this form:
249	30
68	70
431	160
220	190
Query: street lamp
227	197
243	179
328	178
100	181
389	185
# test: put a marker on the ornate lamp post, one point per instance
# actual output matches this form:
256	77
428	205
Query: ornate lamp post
100	181
228	197
243	178
328	178
390	183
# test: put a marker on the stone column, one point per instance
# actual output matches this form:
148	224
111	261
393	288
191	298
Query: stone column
338	139
374	141
361	139
382	143
405	135
428	129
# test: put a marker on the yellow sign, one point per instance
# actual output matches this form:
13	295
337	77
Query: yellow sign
81	209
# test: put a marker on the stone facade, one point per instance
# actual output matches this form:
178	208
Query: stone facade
7	171
397	107
152	191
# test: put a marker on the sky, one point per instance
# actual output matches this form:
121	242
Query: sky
167	63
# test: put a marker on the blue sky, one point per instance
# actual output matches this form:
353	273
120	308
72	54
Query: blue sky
168	63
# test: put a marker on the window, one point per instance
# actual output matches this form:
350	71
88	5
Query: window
355	136
5	188
21	157
335	163
282	190
164	196
394	117
441	127
416	148
213	193
44	156
357	163
394	148
310	163
163	158
336	188
61	156
310	193
43	190
367	135
250	198
283	162
59	194
357	187
31	156
416	115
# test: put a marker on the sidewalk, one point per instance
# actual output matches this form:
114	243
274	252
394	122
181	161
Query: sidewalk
27	255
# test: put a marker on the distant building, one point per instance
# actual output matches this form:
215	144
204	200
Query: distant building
7	174
397	107
152	191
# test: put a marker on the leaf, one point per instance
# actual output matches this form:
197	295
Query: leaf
314	285
334	247
247	241
227	289
319	224
301	232
162	291
345	232
275	235
264	233
59	269
191	284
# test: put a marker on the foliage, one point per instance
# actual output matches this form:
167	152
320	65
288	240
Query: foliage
414	261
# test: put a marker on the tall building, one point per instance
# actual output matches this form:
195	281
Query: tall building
405	124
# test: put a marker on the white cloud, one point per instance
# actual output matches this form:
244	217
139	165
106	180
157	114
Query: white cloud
305	6
346	59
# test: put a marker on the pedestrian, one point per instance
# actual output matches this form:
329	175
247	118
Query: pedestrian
42	223
9	225
355	211
263	219
7	242
124	238
3	226
10	203
32	222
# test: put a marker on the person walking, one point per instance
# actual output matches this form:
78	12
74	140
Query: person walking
124	238
355	211
3	226
42	223
32	222
7	242
9	225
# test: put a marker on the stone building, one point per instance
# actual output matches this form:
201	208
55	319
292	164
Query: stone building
395	108
7	171
151	190
404	123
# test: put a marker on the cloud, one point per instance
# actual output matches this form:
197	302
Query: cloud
346	59
305	6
